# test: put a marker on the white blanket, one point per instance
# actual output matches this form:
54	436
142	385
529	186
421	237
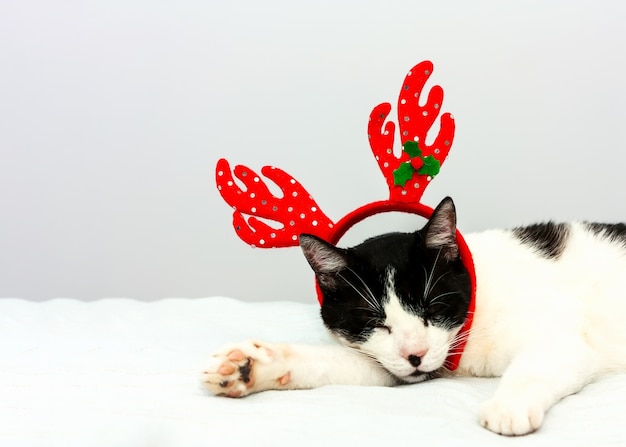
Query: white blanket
119	372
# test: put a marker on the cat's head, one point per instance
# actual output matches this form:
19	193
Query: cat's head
400	298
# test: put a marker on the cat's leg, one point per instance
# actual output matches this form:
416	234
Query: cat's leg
249	367
534	382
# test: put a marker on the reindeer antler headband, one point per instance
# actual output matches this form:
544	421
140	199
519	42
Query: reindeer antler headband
407	176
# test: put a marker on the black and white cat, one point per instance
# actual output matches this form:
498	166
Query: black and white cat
550	316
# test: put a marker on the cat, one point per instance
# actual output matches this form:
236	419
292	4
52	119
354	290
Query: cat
550	316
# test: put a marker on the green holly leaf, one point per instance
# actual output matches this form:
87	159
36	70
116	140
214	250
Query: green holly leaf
431	166
403	174
412	148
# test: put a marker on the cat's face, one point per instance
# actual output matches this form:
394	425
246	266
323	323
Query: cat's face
400	298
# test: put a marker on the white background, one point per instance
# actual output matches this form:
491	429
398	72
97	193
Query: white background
113	114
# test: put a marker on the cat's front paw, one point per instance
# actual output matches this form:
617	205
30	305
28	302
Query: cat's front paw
245	368
510	417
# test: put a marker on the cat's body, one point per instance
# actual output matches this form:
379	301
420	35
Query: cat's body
550	316
531	300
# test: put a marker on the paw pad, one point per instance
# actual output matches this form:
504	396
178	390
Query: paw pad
237	371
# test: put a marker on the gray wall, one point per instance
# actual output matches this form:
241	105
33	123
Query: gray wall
113	114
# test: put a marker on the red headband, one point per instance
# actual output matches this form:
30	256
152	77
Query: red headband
407	177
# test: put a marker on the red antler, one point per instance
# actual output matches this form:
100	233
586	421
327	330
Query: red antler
295	210
414	122
407	175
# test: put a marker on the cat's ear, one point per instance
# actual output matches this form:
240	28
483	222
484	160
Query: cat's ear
440	231
324	258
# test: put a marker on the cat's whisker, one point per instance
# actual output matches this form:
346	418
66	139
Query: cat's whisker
368	309
369	300
369	322
355	288
425	278
427	288
439	279
438	300
467	335
362	281
374	302
459	340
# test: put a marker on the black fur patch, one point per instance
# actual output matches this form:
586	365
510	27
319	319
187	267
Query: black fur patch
613	232
354	307
548	239
245	371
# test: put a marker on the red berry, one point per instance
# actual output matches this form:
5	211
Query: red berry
417	163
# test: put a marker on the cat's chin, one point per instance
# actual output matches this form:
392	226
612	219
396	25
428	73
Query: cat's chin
417	376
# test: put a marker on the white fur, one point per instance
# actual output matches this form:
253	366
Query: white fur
524	302
407	335
547	327
284	366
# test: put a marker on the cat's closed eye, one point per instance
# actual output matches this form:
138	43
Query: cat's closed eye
383	327
437	308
